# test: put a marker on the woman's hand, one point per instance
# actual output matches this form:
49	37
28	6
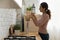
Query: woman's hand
32	15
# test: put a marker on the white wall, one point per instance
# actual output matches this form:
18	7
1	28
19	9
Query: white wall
28	3
7	17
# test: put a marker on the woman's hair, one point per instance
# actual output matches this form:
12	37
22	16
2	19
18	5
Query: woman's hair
45	5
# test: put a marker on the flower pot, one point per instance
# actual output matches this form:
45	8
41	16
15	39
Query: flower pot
27	15
17	32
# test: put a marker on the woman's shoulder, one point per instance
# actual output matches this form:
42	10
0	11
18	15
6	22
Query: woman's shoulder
46	15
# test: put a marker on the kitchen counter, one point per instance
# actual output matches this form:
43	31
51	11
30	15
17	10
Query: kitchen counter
29	34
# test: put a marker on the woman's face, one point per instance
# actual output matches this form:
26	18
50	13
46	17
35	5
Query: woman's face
41	9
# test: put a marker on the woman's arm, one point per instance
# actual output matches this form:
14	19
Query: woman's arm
42	21
34	19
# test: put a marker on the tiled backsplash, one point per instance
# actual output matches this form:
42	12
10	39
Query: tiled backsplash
7	17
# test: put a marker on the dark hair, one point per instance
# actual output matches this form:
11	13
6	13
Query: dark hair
45	5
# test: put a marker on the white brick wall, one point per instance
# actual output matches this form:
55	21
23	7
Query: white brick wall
7	17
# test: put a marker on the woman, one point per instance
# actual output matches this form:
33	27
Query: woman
42	23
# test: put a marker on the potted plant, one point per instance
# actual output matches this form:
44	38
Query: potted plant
29	9
17	28
28	12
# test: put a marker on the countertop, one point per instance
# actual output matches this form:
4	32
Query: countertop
29	34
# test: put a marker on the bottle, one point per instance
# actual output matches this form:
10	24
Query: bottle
33	8
11	30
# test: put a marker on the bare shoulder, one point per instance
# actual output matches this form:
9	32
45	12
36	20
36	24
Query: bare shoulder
46	15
